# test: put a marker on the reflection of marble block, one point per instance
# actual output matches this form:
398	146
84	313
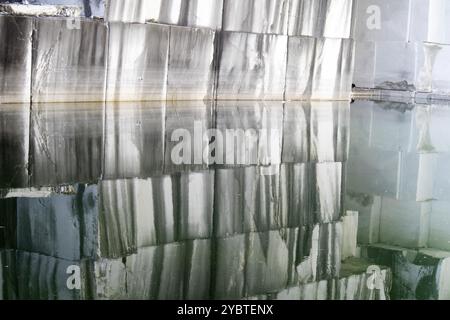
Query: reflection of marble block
134	139
66	143
14	139
391	128
369	211
439	237
405	223
373	171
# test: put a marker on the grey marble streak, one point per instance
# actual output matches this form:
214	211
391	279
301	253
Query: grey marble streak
15	59
319	69
173	271
333	69
134	139
66	143
191	119
321	18
139	213
330	131
191	64
300	67
14	138
347	287
68	64
252	66
297	205
227	268
116	218
296	132
257	16
328	183
138	57
191	13
246	201
252	132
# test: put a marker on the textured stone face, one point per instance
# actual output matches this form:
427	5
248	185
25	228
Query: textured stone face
197	13
15	59
68	63
138	57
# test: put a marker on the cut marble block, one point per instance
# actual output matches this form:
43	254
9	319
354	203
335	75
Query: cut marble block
66	143
14	139
380	20
349	234
439	237
325	256
442	181
395	65
300	67
360	124
252	66
429	21
229	280
171	271
186	135
417	275
391	126
296	204
257	16
32	276
405	223
351	286
268	261
328	186
374	172
117	218
251	132
134	139
138	56
8	224
191	64
296	132
330	124
247	201
320	18
68	63
155	211
365	64
369	213
333	69
61	226
15	59
197	13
